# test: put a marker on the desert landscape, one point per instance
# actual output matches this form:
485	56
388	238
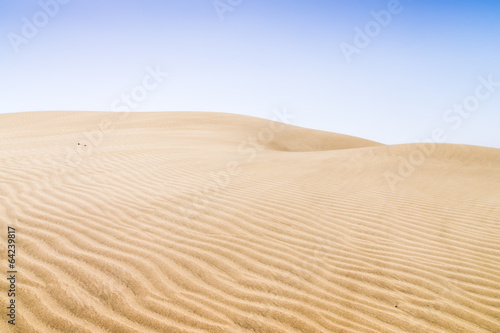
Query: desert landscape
214	222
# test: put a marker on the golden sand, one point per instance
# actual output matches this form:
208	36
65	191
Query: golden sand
207	222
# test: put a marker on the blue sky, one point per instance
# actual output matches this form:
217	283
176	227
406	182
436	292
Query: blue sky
252	56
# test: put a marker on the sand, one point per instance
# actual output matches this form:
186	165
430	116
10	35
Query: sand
209	222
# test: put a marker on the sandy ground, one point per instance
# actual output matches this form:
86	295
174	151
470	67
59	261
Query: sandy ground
206	222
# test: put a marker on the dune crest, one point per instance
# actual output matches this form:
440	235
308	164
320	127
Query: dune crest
211	222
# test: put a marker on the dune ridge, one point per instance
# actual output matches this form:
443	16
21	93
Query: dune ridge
211	222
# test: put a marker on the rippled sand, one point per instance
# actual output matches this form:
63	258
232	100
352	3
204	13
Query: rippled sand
207	222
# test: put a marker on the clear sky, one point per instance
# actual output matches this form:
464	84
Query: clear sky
391	71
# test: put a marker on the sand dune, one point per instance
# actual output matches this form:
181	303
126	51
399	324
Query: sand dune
206	222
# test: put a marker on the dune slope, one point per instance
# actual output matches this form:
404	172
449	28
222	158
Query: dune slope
206	222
